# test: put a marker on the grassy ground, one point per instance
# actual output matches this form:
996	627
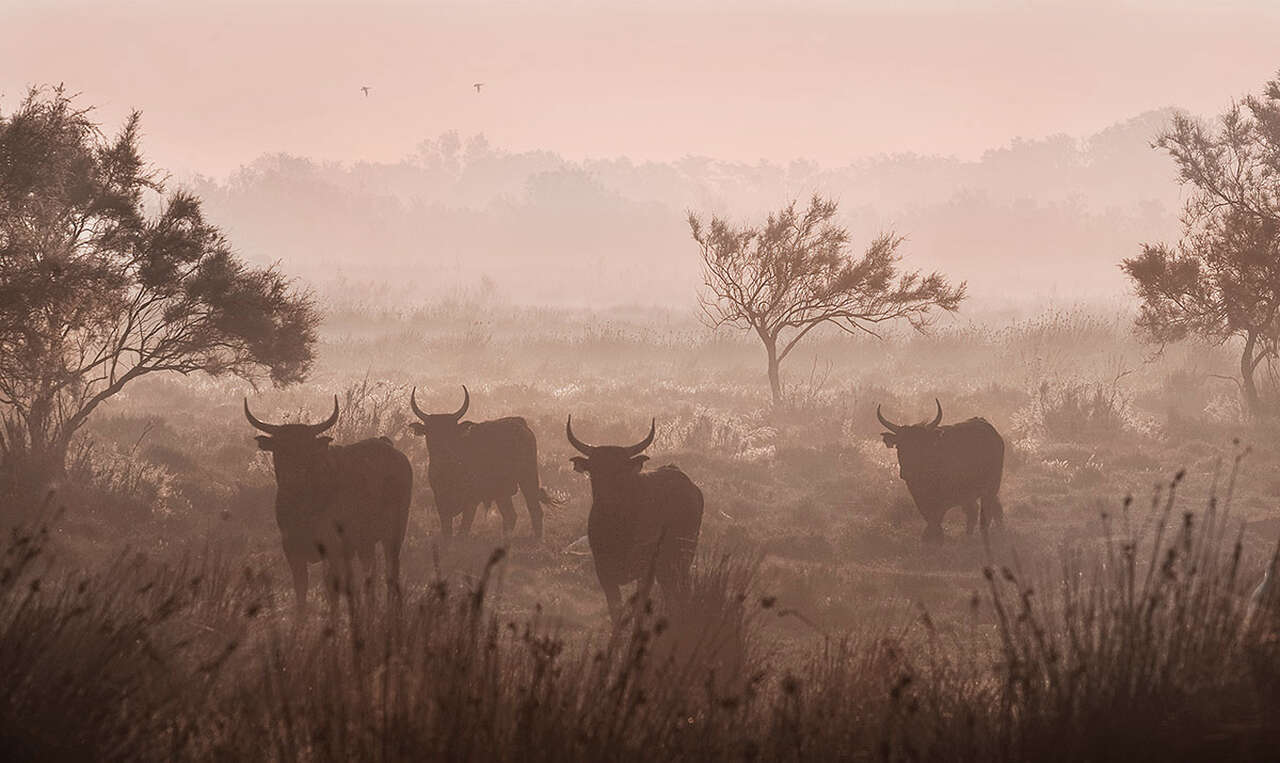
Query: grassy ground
884	648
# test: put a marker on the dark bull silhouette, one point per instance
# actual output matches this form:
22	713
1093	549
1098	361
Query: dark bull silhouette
336	501
480	462
642	525
945	466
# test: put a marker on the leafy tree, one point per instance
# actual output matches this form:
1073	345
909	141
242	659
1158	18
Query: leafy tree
1222	280
796	272
104	279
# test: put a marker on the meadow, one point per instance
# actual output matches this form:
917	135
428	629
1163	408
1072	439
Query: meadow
145	611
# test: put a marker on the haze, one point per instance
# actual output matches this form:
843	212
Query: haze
986	132
223	82
676	381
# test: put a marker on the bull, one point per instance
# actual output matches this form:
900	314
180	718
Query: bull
642	525
336	501
480	462
946	466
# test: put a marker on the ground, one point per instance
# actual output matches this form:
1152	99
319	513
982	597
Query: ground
1088	415
810	560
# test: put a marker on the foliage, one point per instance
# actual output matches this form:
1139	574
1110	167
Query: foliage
1222	280
795	273
97	291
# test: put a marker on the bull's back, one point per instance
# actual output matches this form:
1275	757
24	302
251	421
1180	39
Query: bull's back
674	499
374	479
974	453
365	490
374	456
499	454
504	440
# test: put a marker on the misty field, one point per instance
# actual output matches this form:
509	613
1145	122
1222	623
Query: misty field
145	610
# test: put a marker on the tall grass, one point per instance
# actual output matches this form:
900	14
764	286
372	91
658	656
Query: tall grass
1134	649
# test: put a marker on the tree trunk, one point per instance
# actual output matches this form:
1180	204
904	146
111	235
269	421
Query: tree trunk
1247	366
775	380
35	456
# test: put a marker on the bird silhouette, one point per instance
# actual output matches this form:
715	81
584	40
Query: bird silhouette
478	85
365	89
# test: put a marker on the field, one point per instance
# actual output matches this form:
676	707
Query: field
153	612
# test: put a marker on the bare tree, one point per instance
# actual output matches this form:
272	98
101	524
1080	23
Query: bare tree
1222	281
795	273
95	291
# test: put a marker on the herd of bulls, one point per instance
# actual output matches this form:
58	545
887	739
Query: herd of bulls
337	503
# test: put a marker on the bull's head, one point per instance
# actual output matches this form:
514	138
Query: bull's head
295	448
915	443
605	461
438	427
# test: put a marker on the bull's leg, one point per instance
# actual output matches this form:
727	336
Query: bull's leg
333	583
298	566
508	512
933	526
391	550
674	576
468	516
992	511
342	580
675	568
368	558
643	599
529	489
612	596
446	524
970	516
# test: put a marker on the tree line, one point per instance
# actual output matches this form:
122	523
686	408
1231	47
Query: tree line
99	286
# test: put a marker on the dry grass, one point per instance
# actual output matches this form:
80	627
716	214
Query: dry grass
1137	651
820	628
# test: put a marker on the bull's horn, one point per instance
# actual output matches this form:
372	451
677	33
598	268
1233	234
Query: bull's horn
936	419
640	446
582	447
329	422
466	403
892	427
413	403
265	427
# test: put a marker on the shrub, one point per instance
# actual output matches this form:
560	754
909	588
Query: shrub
1080	412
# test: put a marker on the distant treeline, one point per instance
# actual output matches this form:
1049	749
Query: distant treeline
1035	218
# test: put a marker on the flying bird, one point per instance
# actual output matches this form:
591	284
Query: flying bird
365	89
478	85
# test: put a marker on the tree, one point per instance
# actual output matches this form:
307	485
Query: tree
104	279
795	273
1222	280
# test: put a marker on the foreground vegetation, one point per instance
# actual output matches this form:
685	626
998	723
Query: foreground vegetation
150	617
1137	648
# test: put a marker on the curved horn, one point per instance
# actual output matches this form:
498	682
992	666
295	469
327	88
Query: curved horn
582	447
466	403
329	422
413	403
640	446
265	427
892	427
936	419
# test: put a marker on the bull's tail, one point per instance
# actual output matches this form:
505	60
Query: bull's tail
547	499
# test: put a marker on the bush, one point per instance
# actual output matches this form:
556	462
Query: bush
1081	412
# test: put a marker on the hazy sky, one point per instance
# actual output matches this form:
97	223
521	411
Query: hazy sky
222	82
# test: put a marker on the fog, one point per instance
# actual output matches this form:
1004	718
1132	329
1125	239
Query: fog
567	380
1033	220
994	135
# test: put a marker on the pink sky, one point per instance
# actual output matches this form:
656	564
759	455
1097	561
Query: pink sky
223	82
